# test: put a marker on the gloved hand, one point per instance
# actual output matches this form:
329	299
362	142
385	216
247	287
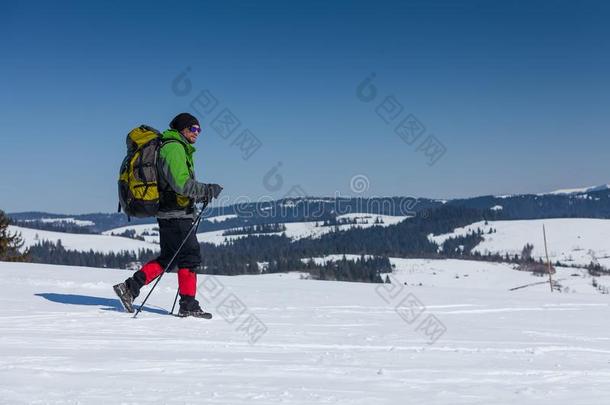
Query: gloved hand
212	191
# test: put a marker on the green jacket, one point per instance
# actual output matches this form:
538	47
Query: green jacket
177	185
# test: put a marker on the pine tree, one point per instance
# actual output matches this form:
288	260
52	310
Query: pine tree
10	243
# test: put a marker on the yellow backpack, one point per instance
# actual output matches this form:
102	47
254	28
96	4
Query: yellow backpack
138	177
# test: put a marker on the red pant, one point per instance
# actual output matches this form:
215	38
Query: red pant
187	279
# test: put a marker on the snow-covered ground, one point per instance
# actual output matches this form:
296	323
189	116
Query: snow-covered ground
477	274
458	341
480	275
573	241
82	242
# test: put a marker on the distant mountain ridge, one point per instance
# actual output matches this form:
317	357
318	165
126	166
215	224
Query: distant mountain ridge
592	202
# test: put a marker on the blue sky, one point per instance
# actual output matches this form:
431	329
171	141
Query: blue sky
516	92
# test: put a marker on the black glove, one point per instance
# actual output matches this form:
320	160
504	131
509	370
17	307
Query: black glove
212	191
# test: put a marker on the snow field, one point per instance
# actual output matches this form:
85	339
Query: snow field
82	242
65	341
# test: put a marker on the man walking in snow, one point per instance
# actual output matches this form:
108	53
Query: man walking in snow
179	191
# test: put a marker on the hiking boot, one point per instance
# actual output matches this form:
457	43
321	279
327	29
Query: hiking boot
124	294
189	306
200	313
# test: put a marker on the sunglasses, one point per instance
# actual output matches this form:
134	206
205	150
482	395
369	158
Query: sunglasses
195	129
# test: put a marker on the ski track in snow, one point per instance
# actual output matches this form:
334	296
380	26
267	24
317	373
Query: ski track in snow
65	341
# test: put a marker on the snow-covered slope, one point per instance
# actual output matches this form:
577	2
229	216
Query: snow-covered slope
221	218
294	230
373	219
466	274
566	191
333	258
65	341
150	232
82	242
581	190
300	230
69	220
573	241
480	275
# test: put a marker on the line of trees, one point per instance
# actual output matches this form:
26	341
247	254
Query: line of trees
55	226
55	253
256	229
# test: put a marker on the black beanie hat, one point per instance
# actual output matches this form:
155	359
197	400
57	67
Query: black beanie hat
183	120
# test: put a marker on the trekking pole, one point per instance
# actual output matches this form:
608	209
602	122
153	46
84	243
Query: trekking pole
175	299
171	262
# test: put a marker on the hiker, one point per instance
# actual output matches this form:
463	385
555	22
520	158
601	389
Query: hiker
178	193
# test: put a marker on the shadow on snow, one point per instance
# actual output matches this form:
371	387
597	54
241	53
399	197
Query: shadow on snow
109	304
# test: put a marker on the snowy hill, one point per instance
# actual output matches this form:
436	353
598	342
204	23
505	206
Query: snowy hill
294	230
565	191
77	222
65	341
581	190
150	232
572	241
83	242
